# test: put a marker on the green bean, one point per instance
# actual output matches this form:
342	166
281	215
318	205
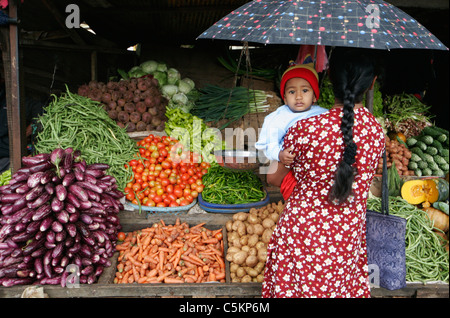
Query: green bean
426	259
75	121
225	186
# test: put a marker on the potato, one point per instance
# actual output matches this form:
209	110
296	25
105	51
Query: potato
232	236
252	251
240	257
260	266
241	216
253	211
241	230
250	228
234	268
236	224
258	229
229	225
246	279
262	254
260	244
241	272
260	278
236	280
245	248
236	242
252	240
253	219
229	257
274	216
268	223
251	261
244	240
266	236
252	272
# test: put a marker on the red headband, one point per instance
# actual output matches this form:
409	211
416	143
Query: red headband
303	71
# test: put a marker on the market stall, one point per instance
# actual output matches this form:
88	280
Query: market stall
135	189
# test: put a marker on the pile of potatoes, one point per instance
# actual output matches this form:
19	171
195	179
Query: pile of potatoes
248	235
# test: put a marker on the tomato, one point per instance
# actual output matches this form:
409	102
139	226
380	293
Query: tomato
184	202
173	204
158	199
178	191
218	235
194	193
150	202
121	236
189	197
136	187
130	196
133	162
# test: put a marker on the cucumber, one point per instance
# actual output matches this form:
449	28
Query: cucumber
422	145
411	141
442	206
431	150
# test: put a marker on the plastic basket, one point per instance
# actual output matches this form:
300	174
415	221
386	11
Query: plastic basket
231	208
152	210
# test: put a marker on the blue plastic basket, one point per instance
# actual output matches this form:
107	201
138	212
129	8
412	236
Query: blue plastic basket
151	210
231	208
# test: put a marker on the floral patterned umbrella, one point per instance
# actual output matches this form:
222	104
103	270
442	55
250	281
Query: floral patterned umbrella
354	23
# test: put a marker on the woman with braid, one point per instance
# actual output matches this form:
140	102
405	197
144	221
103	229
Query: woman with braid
318	248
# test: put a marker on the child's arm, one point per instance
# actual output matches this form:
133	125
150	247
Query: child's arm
286	157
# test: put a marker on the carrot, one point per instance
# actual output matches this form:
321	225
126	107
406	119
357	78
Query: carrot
135	273
169	280
211	240
196	258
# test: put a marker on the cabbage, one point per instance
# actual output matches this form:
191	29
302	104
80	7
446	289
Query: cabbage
184	107
161	67
189	82
136	71
173	76
184	86
161	77
149	66
169	90
180	98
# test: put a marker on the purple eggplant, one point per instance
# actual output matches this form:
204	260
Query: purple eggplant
57	251
32	227
70	208
39	252
95	173
44	166
60	236
50	237
41	212
57	156
86	218
68	179
35	160
32	246
46	223
49	188
79	192
98	166
19	204
89	186
10	198
57	227
63	216
22	237
74	217
85	205
56	205
5	230
34	192
47	176
24	188
79	175
35	179
71	229
20	176
14	185
72	199
17	216
6	209
16	281
68	161
20	227
44	198
38	266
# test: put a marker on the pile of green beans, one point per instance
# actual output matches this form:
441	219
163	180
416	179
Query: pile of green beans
426	258
71	120
226	186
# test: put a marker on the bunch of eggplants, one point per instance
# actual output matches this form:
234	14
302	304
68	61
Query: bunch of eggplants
58	211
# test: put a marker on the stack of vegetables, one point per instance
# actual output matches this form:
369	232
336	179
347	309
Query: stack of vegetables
180	92
136	103
215	103
248	235
192	132
430	152
170	254
164	174
74	121
58	210
5	177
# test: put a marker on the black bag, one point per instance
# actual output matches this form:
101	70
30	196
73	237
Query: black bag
385	235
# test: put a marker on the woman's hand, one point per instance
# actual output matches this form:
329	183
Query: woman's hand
286	157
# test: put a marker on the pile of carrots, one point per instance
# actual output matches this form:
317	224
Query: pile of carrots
171	254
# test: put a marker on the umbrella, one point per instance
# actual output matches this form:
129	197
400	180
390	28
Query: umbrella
355	23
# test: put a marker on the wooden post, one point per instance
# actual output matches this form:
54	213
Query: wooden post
14	100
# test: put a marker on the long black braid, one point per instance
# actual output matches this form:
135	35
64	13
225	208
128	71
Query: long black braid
351	73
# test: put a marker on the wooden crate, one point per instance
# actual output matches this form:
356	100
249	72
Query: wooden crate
132	220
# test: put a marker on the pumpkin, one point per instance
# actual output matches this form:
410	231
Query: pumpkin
425	190
439	218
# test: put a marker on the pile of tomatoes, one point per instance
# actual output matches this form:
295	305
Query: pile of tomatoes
165	175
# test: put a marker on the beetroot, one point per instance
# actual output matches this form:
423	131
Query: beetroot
141	126
146	117
135	117
123	116
129	107
141	107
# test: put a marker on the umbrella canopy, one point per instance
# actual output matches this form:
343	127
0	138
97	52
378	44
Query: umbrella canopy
355	23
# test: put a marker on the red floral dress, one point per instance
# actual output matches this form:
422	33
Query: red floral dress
318	249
